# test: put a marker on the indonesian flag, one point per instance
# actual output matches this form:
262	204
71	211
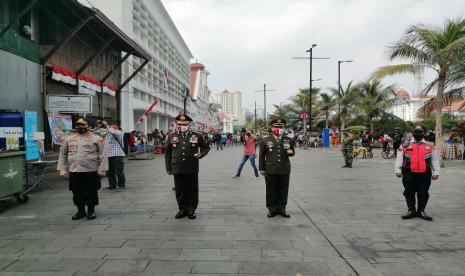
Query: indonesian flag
166	78
147	112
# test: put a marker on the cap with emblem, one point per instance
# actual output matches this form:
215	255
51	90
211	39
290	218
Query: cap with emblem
82	121
183	119
278	122
418	129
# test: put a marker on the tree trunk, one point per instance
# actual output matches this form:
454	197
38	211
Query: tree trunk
371	125
438	104
326	115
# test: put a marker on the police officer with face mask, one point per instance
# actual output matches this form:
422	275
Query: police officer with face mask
83	160
184	148
275	165
417	163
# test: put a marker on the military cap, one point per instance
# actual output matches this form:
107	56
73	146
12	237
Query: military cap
183	119
278	122
82	121
417	129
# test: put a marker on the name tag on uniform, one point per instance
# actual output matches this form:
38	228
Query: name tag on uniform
427	147
287	145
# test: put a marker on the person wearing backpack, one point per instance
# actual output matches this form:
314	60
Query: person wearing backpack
115	149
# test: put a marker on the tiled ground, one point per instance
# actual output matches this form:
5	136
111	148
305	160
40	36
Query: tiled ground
344	222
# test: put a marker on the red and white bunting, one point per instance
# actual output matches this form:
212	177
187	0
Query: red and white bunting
166	78
147	112
87	85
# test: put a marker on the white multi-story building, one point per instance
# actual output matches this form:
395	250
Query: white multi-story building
165	77
408	110
231	104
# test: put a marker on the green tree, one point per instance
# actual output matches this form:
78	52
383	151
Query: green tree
426	47
373	99
346	98
327	104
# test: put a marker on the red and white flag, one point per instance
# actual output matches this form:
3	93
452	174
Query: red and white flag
166	78
147	112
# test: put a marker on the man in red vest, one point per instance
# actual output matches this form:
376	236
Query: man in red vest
417	163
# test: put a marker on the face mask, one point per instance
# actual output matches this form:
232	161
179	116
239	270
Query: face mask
183	128
81	129
418	137
277	131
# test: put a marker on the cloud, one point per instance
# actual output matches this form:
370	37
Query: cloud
245	43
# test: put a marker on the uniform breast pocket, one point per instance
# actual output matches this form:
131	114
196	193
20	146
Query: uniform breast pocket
88	147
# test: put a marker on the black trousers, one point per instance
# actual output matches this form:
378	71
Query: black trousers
187	190
116	175
84	186
219	145
416	183
277	189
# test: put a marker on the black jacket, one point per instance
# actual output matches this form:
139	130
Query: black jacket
180	150
273	156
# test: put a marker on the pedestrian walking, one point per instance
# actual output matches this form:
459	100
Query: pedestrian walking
115	149
218	141
347	148
417	163
83	160
275	165
397	138
184	148
249	153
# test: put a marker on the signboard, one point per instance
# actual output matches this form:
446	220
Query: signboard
303	116
69	104
11	132
60	126
30	129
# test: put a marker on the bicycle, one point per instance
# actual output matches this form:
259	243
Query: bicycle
388	151
364	152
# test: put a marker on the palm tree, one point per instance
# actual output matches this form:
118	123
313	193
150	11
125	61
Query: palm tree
438	49
374	99
300	103
280	111
345	100
327	103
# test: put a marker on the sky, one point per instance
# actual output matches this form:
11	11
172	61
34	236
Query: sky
246	43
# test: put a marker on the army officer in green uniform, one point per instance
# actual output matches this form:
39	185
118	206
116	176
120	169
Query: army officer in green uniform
347	148
275	165
184	148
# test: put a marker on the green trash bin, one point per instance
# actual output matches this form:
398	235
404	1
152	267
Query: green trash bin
12	175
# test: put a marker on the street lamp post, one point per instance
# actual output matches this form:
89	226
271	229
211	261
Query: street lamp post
339	86
310	51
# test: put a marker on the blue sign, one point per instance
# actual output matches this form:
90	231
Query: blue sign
30	129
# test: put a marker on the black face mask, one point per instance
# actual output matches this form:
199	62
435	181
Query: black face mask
417	137
81	129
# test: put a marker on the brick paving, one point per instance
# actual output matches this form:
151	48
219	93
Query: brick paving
344	222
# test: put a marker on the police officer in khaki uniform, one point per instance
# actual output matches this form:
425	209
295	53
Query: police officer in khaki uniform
83	160
184	148
275	165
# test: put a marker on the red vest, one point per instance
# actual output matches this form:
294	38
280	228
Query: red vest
417	157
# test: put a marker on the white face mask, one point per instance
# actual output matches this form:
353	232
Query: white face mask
184	128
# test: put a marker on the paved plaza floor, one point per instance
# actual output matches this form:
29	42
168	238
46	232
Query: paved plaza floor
344	222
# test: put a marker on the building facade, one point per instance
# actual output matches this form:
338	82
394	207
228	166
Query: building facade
201	110
408	109
166	77
231	105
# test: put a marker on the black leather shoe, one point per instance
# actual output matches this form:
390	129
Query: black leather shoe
284	214
349	166
345	166
191	215
423	215
180	214
271	214
91	215
79	215
110	188
410	214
